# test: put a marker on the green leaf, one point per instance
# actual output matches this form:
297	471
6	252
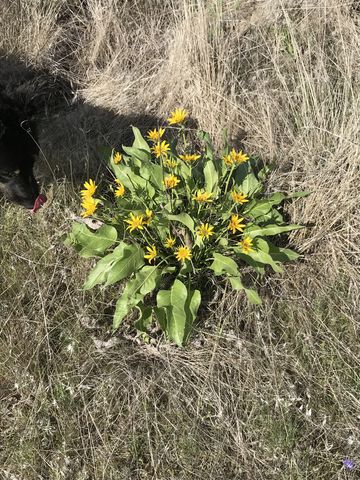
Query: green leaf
192	305
128	177
161	316
163	311
177	320
180	307
129	261
245	179
154	173
258	257
163	298
145	318
183	218
299	194
91	243
257	266
265	258
211	177
236	283
273	216
277	254
161	225
187	174
140	141
144	282
138	153
223	242
223	264
261	207
124	260
269	230
253	296
264	172
227	265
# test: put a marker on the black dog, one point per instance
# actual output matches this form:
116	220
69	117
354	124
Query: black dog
18	151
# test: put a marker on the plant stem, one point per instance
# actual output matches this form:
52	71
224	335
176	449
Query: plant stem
228	179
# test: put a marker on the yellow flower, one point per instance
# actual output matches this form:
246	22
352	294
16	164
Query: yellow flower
182	254
202	196
148	216
160	149
228	159
238	157
151	255
170	163
135	222
155	135
117	157
120	189
171	181
235	224
246	245
89	190
170	242
189	158
239	197
90	205
205	230
235	157
177	116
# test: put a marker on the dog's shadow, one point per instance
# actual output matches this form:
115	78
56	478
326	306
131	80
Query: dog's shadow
70	133
71	143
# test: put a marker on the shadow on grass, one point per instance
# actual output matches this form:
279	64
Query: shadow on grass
69	132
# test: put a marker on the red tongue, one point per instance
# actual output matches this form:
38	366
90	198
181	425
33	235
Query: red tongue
39	202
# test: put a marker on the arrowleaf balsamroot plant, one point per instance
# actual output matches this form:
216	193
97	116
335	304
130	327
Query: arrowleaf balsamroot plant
174	217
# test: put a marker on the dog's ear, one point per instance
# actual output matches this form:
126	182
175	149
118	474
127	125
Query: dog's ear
2	129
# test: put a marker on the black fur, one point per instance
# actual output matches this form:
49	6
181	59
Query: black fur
18	151
26	95
34	99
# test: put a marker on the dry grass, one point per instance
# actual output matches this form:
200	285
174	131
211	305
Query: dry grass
260	393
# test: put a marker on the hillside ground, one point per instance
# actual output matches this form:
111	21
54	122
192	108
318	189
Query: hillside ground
268	392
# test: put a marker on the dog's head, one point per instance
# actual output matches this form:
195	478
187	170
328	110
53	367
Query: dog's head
17	157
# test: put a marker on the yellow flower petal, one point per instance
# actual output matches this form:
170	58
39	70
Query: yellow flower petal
89	204
156	134
235	224
148	216
160	148
238	157
177	116
189	158
182	254
120	189
170	242
204	230
239	197
89	189
117	157
246	245
152	253
170	163
202	196
135	222
171	181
